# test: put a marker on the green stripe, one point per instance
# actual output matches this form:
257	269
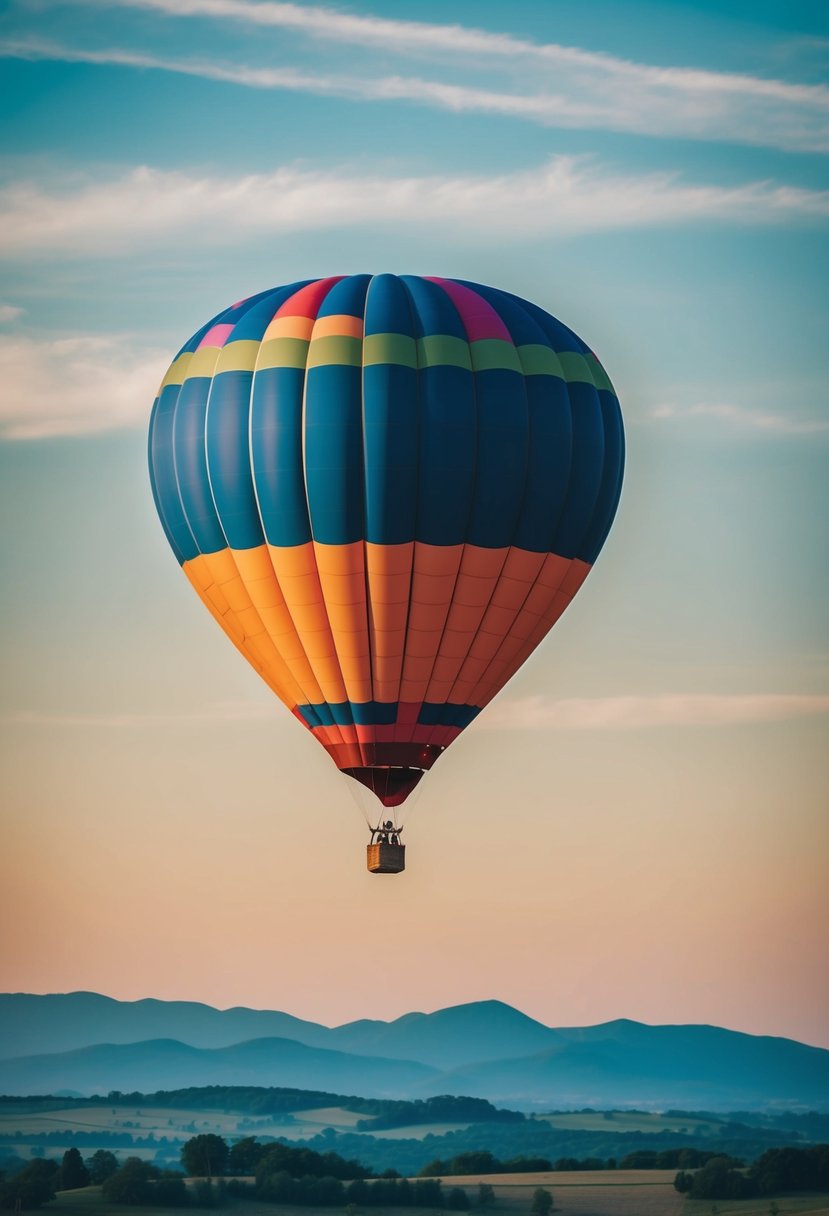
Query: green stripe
576	368
339	349
538	360
491	354
389	348
600	376
282	352
440	350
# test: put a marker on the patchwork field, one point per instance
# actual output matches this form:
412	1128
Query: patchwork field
169	1124
627	1121
630	1193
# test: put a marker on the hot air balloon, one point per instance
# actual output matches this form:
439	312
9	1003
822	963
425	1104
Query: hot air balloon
386	490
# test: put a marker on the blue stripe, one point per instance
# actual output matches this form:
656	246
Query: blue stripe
390	423
611	486
276	454
388	310
228	459
434	312
433	713
350	713
548	466
347	297
334	453
163	475
501	457
191	466
446	461
586	470
560	338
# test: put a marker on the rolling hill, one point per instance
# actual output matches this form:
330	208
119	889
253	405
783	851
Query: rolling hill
91	1044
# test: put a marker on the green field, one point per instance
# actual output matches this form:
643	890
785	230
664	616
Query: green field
624	1193
164	1122
628	1121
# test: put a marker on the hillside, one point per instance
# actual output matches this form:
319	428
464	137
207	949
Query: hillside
485	1049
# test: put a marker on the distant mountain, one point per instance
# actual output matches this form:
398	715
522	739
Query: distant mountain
462	1034
62	1021
168	1064
92	1044
626	1063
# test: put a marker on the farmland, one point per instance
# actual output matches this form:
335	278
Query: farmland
623	1193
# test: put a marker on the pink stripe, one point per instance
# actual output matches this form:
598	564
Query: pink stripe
217	336
480	320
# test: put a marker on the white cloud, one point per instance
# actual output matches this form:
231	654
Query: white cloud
631	713
217	712
75	386
146	207
10	312
764	421
566	86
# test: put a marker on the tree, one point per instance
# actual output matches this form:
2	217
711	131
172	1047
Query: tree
33	1186
486	1195
245	1155
73	1172
205	1155
542	1203
131	1183
101	1165
457	1199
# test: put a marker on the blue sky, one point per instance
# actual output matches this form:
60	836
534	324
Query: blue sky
654	175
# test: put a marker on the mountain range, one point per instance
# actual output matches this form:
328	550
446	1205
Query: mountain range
89	1043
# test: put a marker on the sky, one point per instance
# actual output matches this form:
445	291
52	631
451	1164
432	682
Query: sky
637	826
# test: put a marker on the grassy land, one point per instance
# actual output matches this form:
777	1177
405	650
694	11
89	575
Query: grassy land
600	1193
628	1121
181	1124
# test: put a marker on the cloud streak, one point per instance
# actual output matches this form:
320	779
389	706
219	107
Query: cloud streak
762	421
635	713
75	386
145	207
573	87
527	713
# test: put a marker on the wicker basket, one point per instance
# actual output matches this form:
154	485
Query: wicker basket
386	858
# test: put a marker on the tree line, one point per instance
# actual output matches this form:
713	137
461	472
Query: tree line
777	1171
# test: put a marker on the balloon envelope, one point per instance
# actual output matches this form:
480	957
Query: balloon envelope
386	490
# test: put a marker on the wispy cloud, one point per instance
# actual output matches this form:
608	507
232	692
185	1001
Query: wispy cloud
10	312
217	712
146	207
527	713
565	86
75	386
739	416
631	713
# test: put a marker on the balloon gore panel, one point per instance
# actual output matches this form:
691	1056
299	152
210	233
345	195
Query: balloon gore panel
386	490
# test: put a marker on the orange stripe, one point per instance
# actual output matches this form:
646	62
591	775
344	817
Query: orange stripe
389	577
532	626
218	585
341	570
340	325
296	571
433	580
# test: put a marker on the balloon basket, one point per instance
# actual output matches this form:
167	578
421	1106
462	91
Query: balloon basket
386	858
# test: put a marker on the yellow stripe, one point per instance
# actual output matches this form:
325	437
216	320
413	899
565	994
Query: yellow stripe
177	370
203	362
238	356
